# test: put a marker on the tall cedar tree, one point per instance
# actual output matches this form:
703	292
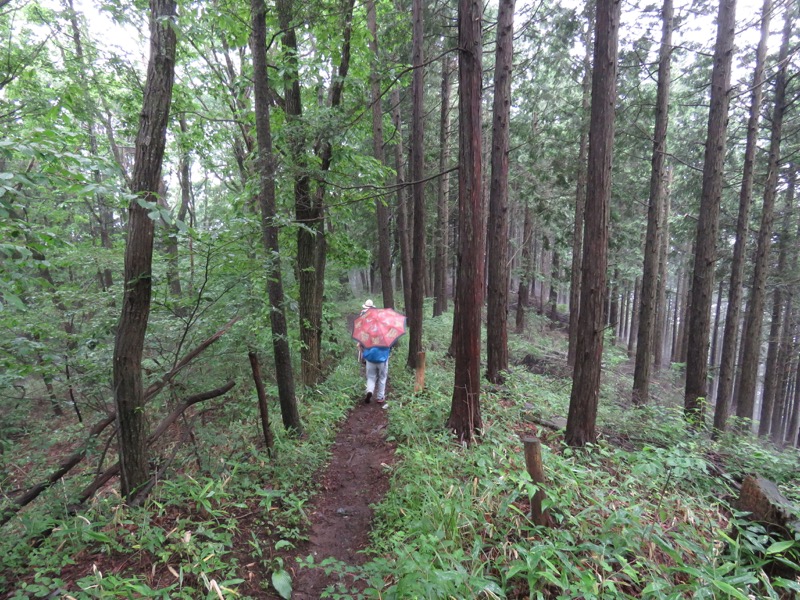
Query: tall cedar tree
780	414
269	231
589	349
381	210
442	207
647	296
402	199
465	411
414	311
705	254
129	343
775	339
730	333
580	191
751	339
497	242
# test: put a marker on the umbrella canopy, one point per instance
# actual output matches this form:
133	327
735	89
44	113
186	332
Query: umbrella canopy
379	327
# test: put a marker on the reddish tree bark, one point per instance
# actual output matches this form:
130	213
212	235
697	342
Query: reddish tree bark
705	254
647	296
751	339
589	349
730	333
465	410
497	242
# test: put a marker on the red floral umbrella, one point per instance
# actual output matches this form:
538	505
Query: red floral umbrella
379	327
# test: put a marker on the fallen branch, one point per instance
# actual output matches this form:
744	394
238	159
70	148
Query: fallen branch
74	459
156	387
113	470
64	467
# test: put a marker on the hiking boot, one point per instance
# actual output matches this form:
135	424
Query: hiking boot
380	400
368	398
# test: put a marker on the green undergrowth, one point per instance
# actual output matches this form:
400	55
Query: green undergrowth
187	540
646	512
638	515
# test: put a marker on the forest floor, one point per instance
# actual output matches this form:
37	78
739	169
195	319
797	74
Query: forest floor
340	515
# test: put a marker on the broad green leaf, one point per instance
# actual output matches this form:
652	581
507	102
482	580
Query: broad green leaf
729	589
282	582
780	546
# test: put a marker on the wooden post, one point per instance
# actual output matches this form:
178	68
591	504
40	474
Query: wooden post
533	462
419	380
262	400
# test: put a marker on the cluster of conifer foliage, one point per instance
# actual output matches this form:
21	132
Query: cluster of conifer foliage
629	169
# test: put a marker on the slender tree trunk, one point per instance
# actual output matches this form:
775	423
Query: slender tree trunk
705	253
269	231
443	205
661	328
414	311
589	349
381	210
730	333
751	339
523	295
465	411
676	325
634	335
648	296
712	355
402	214
497	316
104	215
776	346
129	344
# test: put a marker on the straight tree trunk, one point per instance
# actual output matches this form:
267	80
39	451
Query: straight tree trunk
676	326
402	213
497	230
307	215
634	334
730	334
104	215
414	311
705	253
381	210
661	329
779	326
269	231
751	339
443	204
589	349
613	306
648	296
523	294
465	411
712	355
129	343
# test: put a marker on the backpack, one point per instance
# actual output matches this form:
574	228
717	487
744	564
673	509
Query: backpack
376	354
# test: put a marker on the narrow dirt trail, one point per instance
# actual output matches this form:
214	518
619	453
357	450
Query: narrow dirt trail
340	513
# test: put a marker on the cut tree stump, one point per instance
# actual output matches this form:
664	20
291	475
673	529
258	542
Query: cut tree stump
765	503
535	467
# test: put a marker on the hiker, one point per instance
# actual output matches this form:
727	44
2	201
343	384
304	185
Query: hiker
377	359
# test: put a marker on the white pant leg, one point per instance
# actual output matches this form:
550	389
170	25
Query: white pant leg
383	375
372	375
